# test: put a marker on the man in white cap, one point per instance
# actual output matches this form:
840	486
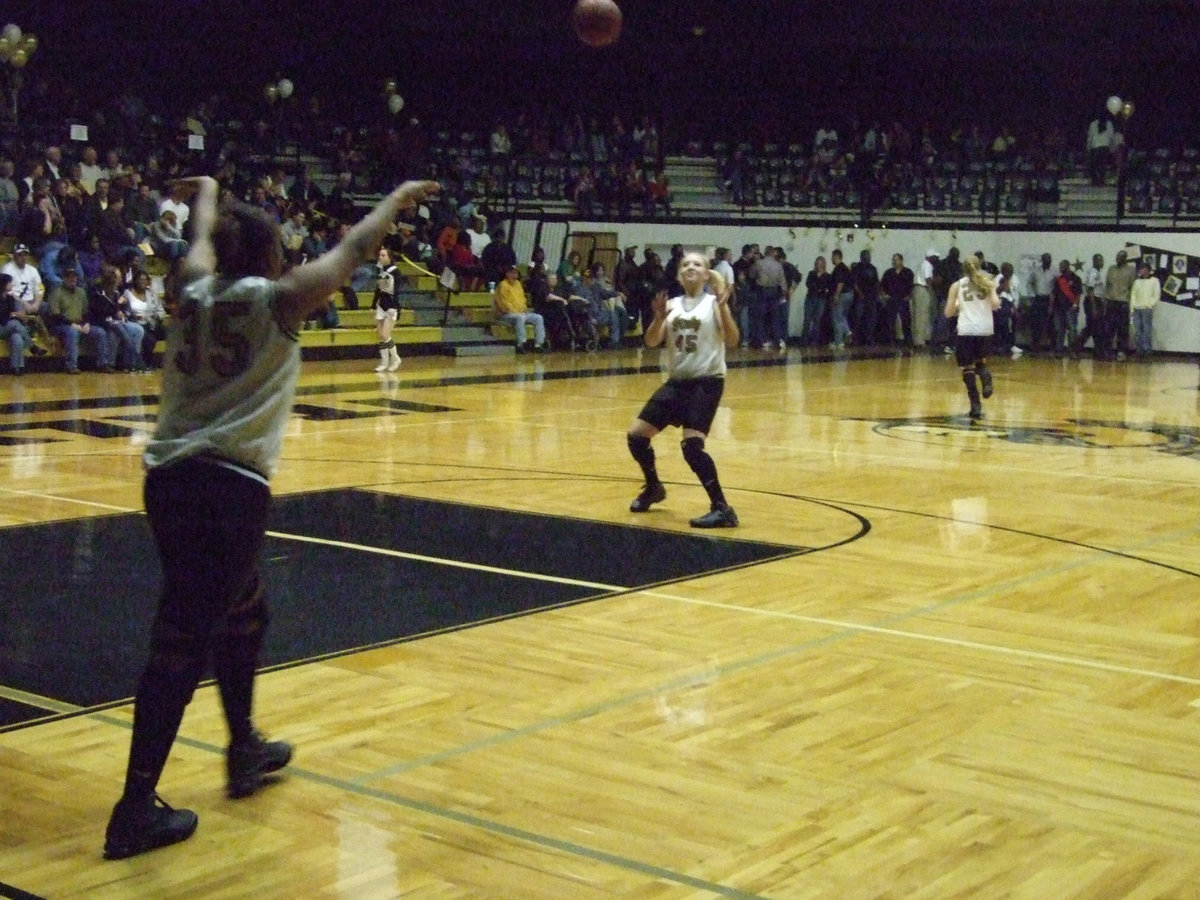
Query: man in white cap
26	279
922	299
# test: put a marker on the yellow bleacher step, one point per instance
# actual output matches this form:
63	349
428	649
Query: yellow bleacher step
471	299
365	318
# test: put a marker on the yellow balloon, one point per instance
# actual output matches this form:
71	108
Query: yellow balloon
19	58
29	43
271	92
1127	109
389	86
6	48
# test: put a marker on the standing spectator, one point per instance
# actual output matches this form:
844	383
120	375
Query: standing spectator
697	327
1118	285
10	197
866	298
818	285
922	304
1041	286
946	273
1143	297
767	325
971	300
792	314
895	290
842	297
1093	306
1006	314
1100	144
627	281
1068	291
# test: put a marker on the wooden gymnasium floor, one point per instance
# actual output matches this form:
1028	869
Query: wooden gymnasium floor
936	660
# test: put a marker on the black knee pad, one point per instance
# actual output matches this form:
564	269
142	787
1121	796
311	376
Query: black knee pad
177	655
693	451
249	615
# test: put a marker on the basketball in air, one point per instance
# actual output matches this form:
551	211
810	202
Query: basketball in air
597	22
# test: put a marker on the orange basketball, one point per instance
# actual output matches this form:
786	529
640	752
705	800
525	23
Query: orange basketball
597	22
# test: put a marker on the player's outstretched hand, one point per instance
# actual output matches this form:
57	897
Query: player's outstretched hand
659	305
411	193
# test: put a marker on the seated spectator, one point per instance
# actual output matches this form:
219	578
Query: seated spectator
554	308
512	309
607	305
142	211
165	237
465	264
314	244
145	307
569	273
13	329
447	238
91	260
106	312
116	236
658	193
498	257
71	209
292	234
501	144
68	321
56	256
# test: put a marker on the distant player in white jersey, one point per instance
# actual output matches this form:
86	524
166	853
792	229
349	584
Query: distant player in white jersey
697	326
229	376
972	299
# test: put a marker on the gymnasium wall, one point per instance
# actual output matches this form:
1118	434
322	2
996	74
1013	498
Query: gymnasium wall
1176	327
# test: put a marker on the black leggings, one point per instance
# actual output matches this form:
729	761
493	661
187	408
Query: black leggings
209	525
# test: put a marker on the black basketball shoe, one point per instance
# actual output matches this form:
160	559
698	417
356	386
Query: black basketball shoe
651	494
720	516
248	764
138	826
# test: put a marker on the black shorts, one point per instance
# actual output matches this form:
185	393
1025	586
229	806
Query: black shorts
687	402
971	348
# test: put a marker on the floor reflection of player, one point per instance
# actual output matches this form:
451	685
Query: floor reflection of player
698	327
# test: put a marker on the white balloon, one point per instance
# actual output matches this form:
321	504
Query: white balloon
285	88
13	33
395	103
1114	104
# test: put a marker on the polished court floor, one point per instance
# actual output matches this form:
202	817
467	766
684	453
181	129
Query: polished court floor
938	659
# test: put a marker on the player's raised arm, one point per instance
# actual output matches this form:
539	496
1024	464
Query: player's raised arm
201	259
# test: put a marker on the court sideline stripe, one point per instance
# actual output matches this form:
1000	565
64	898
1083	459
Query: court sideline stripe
442	561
